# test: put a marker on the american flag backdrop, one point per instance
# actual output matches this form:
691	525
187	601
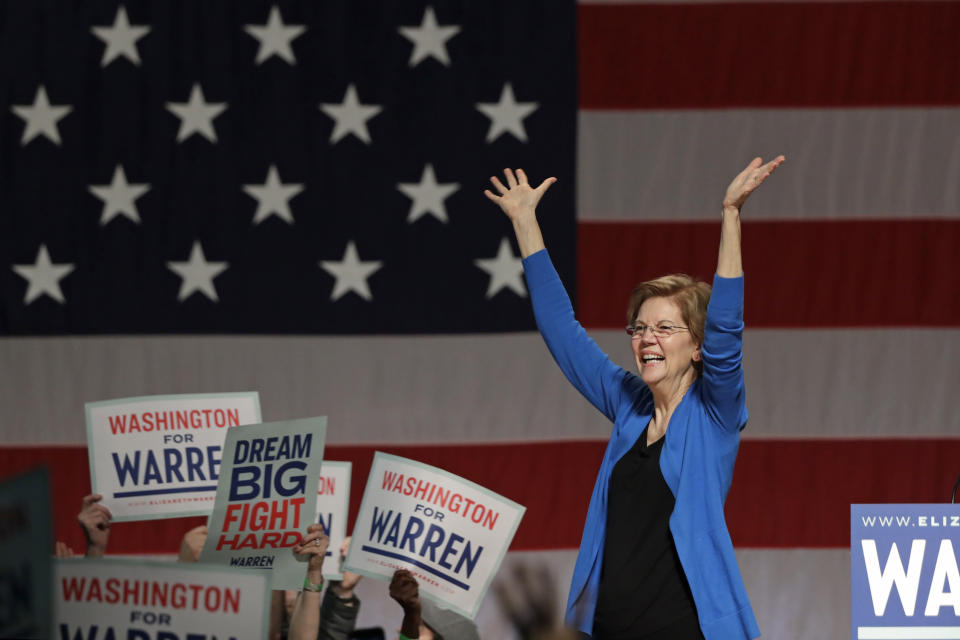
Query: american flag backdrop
286	197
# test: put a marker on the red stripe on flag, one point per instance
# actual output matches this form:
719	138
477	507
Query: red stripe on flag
779	54
848	273
797	493
786	493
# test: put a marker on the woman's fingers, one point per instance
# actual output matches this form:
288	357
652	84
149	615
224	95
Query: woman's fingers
518	198
310	548
103	511
517	180
91	499
315	542
749	179
763	172
771	166
545	185
313	535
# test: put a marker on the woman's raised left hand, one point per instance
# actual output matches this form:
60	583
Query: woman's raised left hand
518	199
748	180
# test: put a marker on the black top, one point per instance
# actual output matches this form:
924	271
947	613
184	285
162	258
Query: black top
643	590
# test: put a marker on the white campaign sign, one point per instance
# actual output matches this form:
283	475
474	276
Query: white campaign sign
266	498
333	503
159	456
112	598
449	532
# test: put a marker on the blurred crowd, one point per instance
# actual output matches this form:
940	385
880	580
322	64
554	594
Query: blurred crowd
328	609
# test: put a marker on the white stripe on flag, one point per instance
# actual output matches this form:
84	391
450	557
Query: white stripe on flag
800	383
842	163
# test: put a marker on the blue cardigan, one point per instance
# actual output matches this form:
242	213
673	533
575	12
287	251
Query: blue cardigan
699	449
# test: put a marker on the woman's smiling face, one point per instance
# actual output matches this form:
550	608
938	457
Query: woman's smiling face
663	359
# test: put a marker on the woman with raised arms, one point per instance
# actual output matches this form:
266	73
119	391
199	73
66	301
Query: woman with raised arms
656	561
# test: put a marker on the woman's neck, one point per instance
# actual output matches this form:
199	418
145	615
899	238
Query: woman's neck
666	397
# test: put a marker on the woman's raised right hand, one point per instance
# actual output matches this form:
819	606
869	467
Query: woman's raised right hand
518	199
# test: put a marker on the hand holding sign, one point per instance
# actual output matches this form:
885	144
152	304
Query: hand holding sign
95	519
305	619
192	544
314	544
405	590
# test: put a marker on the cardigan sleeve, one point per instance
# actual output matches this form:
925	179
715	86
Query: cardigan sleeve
584	364
722	351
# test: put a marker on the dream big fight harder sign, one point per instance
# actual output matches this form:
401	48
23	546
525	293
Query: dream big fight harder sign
449	532
266	498
159	456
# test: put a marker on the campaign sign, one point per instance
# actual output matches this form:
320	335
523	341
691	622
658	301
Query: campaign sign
26	540
904	578
159	456
107	599
266	498
333	502
450	533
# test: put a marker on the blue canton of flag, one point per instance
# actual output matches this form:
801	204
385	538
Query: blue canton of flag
257	167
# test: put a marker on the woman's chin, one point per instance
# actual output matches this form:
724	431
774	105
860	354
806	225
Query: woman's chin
651	375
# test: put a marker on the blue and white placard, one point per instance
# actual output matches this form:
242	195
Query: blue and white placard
449	532
266	498
333	504
120	598
159	456
904	577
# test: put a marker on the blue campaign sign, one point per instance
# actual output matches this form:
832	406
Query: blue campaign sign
904	577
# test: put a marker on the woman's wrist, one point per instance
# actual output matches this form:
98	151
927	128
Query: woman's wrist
410	626
315	578
340	592
730	210
529	238
525	220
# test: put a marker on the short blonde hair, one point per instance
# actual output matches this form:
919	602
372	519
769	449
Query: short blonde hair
689	294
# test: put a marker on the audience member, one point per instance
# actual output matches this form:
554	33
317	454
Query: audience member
305	620
95	519
61	550
340	608
528	597
423	619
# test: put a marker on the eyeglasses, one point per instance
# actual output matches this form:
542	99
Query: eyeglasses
662	330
